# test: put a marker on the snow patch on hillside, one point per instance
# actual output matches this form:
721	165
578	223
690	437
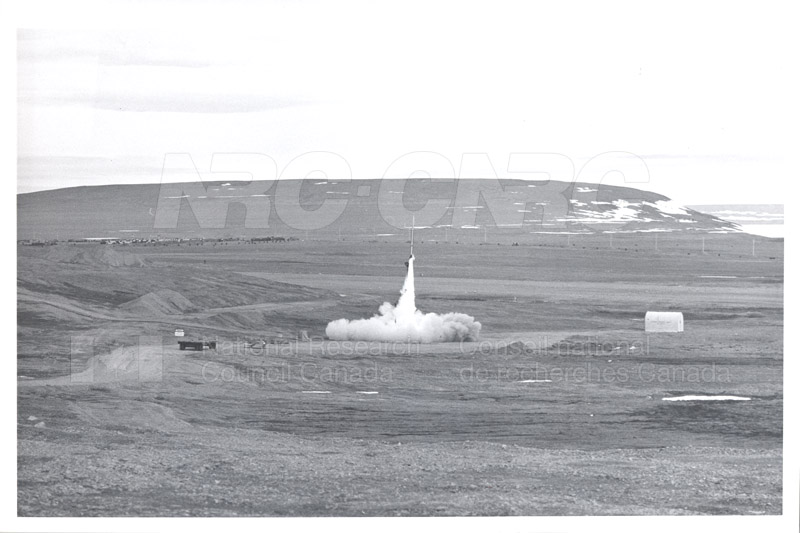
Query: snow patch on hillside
668	206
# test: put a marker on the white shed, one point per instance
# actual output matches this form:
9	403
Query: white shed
656	321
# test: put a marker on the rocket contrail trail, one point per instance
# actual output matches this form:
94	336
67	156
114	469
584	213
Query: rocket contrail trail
404	322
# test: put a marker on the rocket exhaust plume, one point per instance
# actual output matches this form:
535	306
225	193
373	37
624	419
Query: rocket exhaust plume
404	322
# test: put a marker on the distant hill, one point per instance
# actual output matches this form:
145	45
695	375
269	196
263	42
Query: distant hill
364	209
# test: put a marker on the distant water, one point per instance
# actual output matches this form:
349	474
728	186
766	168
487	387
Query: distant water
757	219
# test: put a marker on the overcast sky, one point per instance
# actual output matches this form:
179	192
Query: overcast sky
705	95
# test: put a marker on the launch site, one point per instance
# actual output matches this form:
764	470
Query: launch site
490	371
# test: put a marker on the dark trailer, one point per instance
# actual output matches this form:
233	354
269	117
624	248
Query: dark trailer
197	345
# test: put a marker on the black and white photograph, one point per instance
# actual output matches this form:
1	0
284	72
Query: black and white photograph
514	266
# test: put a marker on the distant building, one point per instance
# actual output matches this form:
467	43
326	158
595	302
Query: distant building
661	321
179	332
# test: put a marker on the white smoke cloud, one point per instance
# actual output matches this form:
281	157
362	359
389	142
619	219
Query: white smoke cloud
405	323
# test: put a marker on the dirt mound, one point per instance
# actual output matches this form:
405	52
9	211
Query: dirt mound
103	255
126	363
116	258
162	302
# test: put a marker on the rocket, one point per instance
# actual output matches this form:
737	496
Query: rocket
411	256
